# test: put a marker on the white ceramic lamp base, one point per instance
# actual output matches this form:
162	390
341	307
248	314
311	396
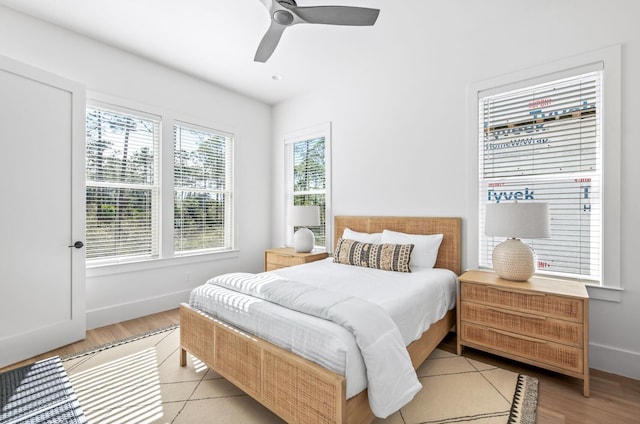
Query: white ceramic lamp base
303	240
513	260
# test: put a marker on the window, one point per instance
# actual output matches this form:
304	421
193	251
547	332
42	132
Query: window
134	212
307	166
202	189
543	143
121	184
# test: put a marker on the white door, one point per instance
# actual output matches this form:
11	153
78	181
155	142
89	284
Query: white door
42	285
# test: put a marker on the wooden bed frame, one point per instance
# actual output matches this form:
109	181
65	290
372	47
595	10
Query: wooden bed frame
298	390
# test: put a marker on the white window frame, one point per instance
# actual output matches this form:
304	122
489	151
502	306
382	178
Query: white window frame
167	255
610	58
317	131
228	191
154	188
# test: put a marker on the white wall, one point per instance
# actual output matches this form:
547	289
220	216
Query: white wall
132	292
401	137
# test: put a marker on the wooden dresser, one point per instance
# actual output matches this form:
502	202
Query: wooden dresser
542	322
287	256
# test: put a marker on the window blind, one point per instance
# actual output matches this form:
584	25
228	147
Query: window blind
203	200
309	180
121	185
543	144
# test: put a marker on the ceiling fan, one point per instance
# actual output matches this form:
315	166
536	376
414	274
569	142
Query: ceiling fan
285	13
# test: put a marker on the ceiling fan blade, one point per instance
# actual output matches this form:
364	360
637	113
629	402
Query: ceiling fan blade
337	15
269	42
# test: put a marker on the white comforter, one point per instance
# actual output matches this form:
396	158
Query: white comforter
413	300
391	377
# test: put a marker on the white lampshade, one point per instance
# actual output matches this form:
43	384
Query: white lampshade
304	216
512	259
517	220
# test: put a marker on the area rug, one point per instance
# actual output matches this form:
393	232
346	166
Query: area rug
38	393
139	380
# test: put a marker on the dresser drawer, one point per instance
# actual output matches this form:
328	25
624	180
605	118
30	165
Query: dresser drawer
533	302
539	326
286	256
527	348
273	267
283	260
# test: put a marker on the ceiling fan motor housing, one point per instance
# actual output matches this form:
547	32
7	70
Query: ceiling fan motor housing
283	17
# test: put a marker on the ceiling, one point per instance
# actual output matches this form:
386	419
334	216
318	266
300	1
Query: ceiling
216	40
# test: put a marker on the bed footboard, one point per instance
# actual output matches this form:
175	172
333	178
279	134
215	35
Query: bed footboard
297	390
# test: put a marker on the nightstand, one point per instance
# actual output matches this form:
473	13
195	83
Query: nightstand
287	256
542	322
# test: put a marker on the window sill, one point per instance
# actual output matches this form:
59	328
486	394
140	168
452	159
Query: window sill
100	270
596	291
606	293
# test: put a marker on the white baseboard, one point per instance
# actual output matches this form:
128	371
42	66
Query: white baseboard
130	310
615	361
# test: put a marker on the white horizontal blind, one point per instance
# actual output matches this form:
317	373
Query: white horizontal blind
308	180
543	144
121	185
203	189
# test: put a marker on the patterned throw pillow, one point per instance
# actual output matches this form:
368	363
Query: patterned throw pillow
388	257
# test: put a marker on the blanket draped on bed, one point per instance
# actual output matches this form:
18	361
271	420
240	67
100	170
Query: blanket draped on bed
392	381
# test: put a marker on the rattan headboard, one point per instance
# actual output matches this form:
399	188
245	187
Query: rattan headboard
449	255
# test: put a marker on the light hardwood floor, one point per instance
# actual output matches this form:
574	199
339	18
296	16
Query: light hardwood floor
614	399
110	333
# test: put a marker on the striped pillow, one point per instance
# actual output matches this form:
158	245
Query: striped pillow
388	257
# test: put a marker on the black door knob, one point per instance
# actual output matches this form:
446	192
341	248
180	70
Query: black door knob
77	245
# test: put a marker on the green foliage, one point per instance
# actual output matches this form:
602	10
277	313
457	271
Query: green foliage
309	181
198	221
309	165
106	212
121	186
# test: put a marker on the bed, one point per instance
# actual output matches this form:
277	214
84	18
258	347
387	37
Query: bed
297	389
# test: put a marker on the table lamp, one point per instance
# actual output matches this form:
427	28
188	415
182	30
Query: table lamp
512	259
304	216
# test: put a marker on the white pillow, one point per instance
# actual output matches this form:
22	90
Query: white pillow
425	247
349	234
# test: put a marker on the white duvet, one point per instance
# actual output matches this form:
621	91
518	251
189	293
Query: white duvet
413	301
392	379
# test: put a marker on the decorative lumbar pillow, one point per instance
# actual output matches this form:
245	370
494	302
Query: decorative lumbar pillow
349	234
388	257
426	247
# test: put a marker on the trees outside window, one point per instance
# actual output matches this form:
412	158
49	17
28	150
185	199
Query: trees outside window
123	187
307	180
202	189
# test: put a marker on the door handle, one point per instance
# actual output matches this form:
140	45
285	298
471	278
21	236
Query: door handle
77	245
